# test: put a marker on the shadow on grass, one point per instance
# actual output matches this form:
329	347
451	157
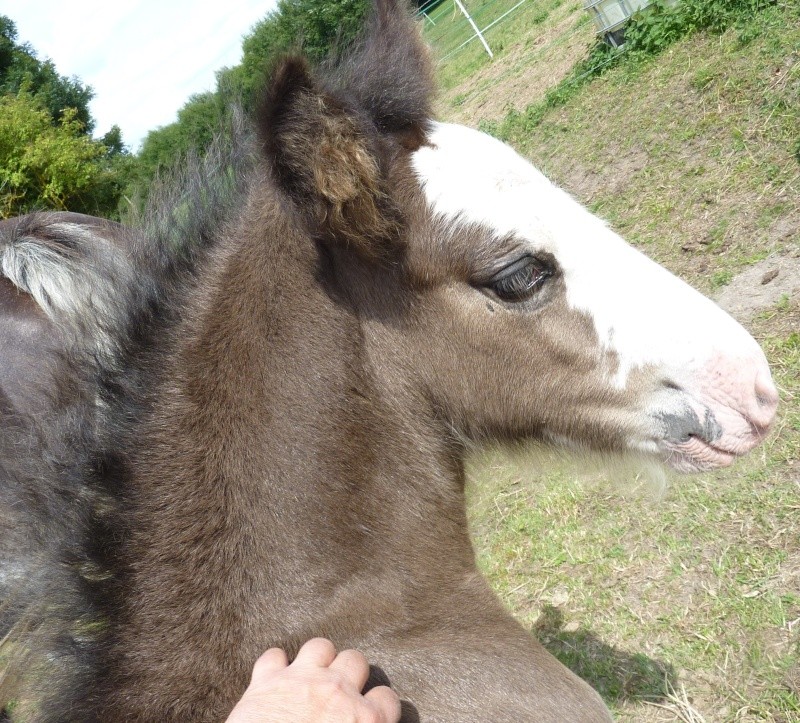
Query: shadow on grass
617	675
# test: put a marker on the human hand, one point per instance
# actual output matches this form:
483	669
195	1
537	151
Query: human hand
318	687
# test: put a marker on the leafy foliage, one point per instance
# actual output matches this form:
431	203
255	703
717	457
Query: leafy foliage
113	141
198	121
317	25
661	25
22	71
48	158
46	165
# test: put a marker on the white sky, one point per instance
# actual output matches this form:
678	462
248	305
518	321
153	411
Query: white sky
143	58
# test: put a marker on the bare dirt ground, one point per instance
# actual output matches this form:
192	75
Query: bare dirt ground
761	286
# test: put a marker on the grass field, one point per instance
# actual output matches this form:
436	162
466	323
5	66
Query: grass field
683	606
535	45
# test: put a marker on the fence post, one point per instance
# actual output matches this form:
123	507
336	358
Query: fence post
474	27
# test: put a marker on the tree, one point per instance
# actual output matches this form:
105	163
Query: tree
198	122
46	165
112	140
8	41
47	156
22	71
318	26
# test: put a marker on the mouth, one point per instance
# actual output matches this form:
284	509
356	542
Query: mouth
699	455
700	436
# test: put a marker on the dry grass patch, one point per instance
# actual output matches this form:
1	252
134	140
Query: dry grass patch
534	48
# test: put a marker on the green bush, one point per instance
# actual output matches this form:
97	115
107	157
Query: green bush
50	166
658	26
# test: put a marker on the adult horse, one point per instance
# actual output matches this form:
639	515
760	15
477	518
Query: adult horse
80	261
283	427
47	305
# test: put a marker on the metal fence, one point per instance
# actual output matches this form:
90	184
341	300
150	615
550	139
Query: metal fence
548	38
452	26
610	16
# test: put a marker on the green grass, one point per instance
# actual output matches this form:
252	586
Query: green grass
530	45
451	29
721	278
686	603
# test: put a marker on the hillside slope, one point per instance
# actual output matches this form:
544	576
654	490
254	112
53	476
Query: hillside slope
687	608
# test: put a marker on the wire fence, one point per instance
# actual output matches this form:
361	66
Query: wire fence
451	26
548	38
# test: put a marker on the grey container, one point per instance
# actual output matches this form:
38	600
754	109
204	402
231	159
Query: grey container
610	16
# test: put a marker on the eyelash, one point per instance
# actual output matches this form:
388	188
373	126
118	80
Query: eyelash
519	280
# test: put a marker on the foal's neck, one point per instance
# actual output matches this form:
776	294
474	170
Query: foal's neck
280	490
277	435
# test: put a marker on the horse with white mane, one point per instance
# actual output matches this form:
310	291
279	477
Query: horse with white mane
277	452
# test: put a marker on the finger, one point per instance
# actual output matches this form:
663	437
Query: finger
270	662
317	652
354	666
385	701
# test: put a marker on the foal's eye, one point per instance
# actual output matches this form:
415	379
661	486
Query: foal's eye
520	280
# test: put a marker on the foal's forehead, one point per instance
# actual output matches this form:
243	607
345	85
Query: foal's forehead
469	176
454	150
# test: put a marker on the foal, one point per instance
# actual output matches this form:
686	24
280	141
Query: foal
284	417
57	272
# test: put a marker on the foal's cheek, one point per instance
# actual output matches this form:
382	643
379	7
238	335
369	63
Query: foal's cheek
474	358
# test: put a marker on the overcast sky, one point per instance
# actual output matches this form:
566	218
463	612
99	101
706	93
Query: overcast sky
143	58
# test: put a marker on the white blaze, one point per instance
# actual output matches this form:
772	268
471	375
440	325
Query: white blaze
640	311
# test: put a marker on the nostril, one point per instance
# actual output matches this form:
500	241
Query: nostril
766	392
764	401
762	413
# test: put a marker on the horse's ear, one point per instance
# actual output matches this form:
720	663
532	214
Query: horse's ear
389	72
325	158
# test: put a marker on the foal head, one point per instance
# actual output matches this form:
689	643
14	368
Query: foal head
575	336
490	293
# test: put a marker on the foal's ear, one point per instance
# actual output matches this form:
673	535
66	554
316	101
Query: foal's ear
388	72
325	158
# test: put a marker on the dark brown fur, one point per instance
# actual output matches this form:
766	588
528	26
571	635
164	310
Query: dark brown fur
280	449
25	338
327	162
